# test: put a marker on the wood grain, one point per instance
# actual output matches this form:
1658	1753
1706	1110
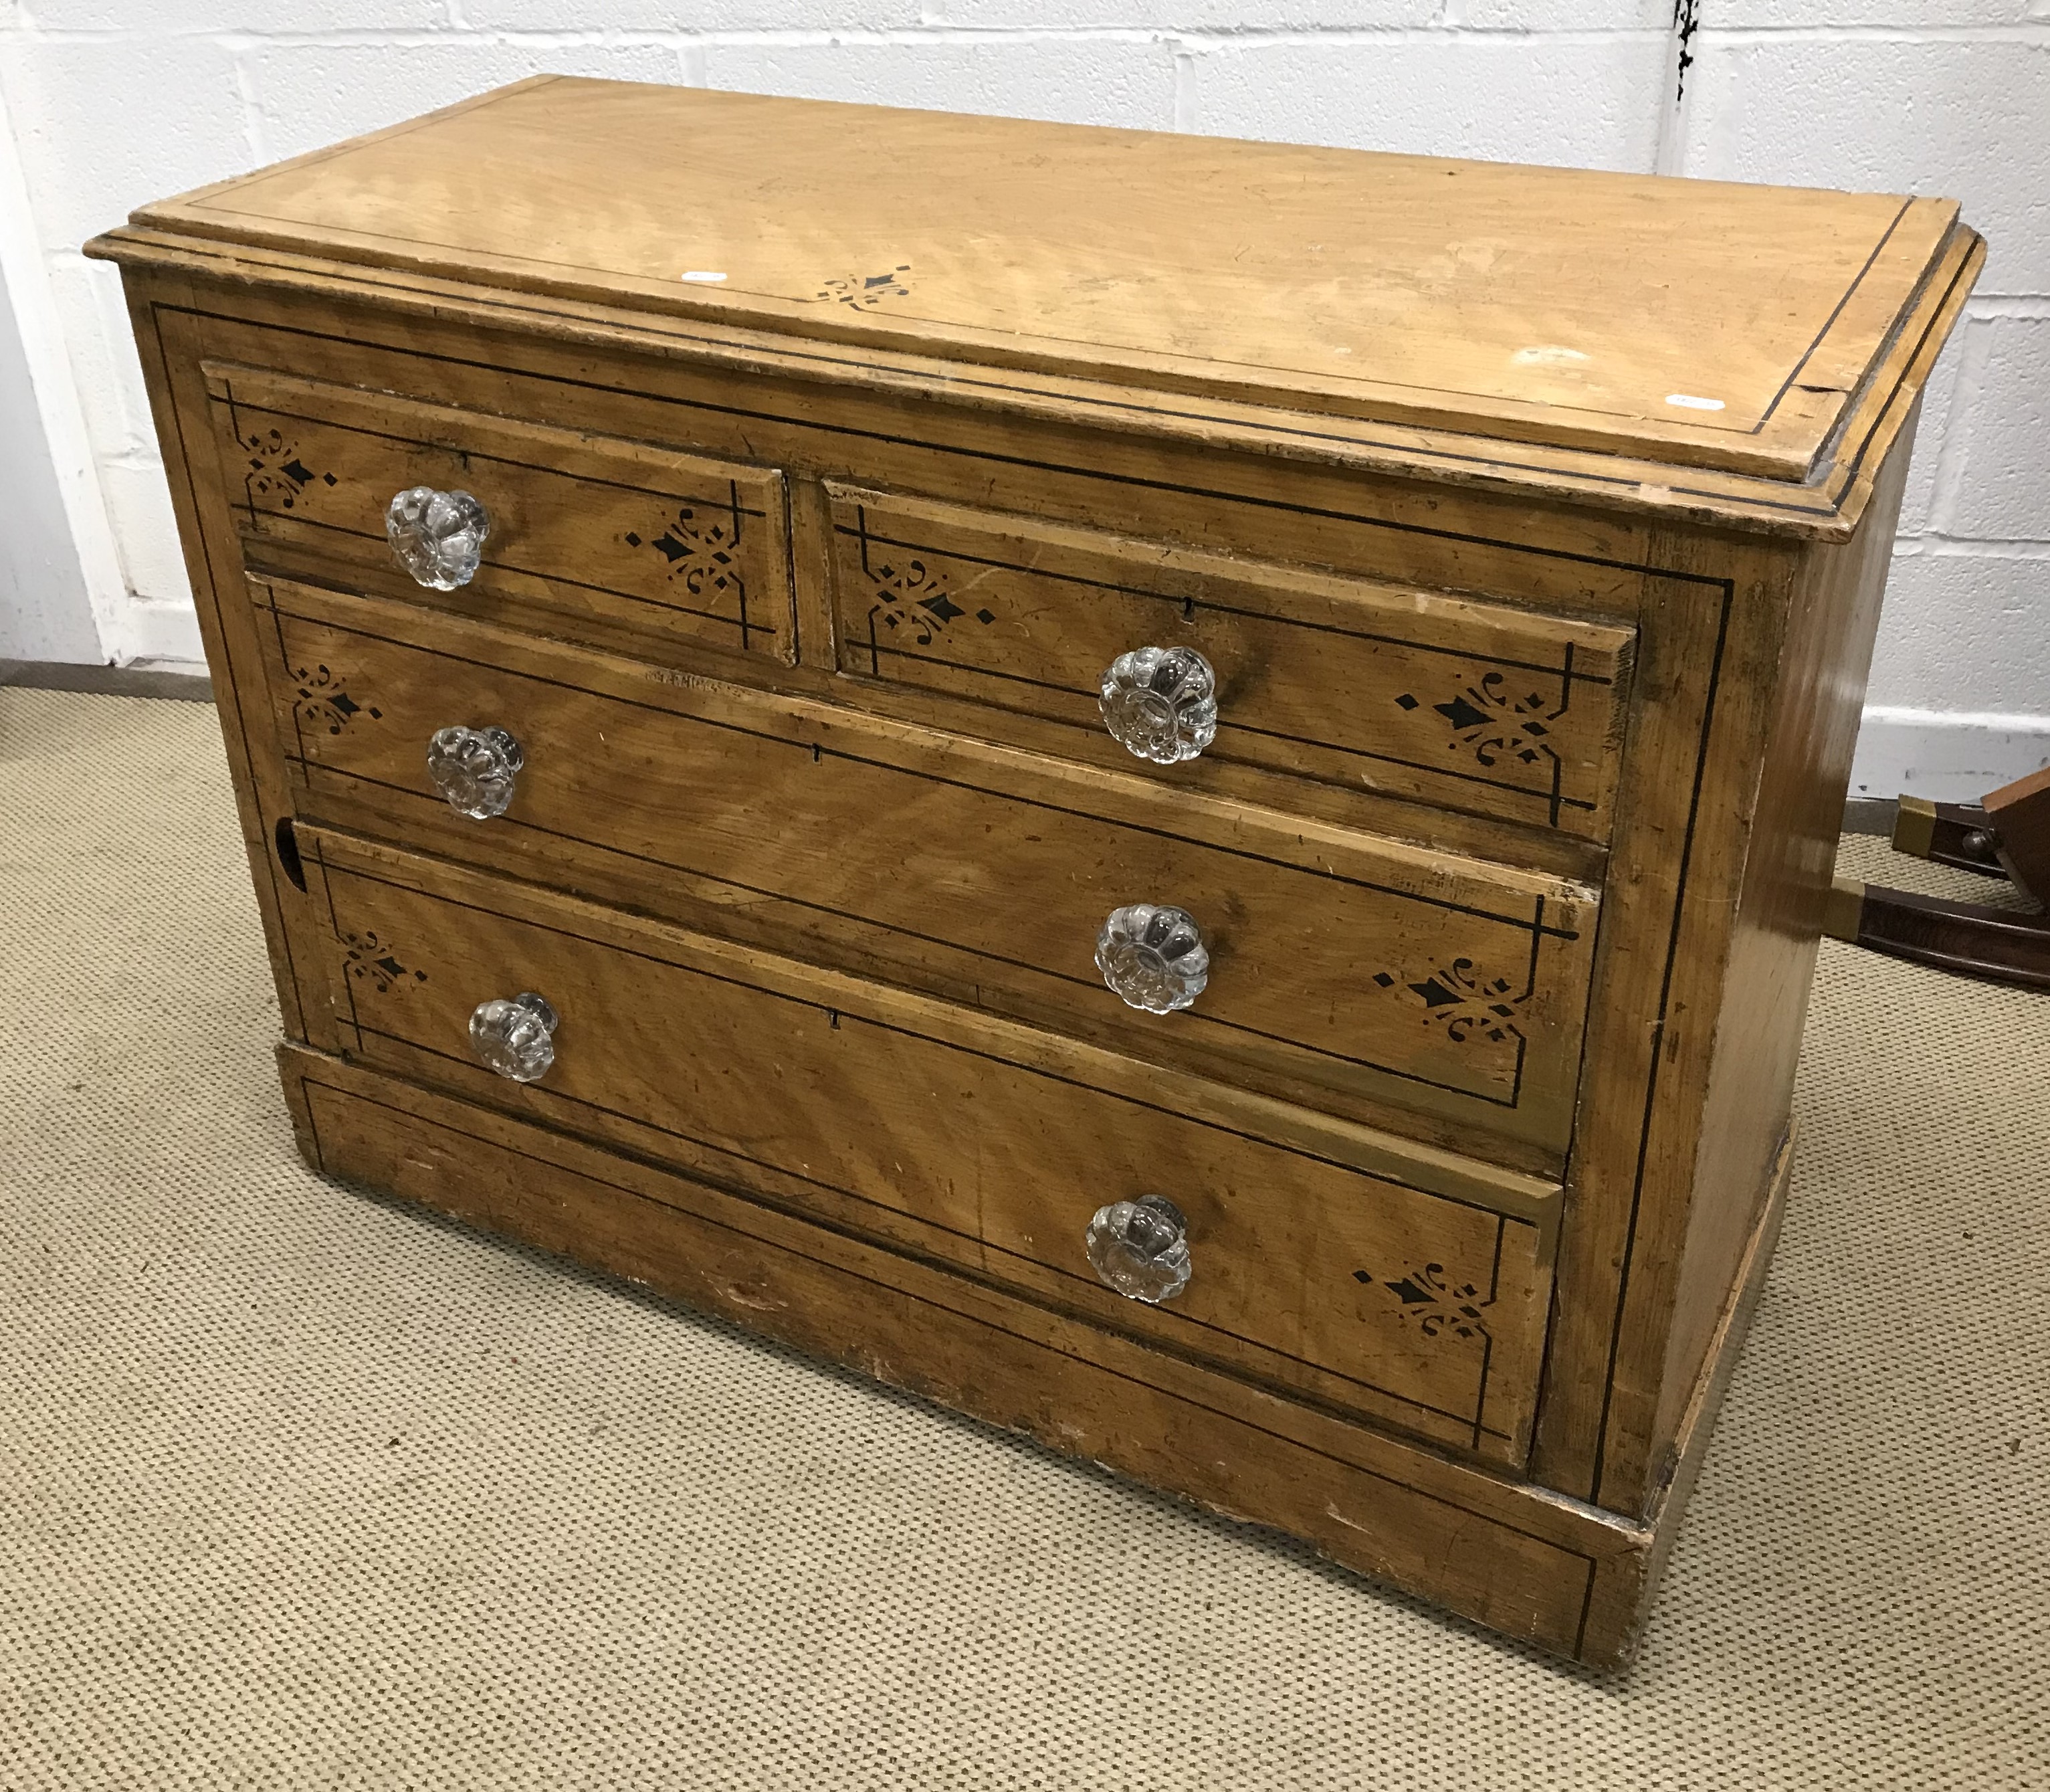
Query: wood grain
1559	565
1454	986
1620	1595
1698	1005
1794	821
1646	1005
368	300
1505	1555
1468	706
1555	305
228	631
1368	1293
962	445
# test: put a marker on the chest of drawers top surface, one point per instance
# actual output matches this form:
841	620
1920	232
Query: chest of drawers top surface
1723	341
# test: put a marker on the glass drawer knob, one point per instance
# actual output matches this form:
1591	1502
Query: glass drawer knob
476	769
516	1038
437	536
1153	957
1141	1249
1160	703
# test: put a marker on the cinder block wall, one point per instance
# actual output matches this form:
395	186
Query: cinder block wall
115	102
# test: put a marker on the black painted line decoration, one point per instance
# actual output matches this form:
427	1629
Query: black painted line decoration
1527	715
1488	720
1743	488
959	378
911	593
1213	600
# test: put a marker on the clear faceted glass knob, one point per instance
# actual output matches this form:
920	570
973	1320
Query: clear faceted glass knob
1160	703
1153	957
1141	1249
516	1038
438	536
476	769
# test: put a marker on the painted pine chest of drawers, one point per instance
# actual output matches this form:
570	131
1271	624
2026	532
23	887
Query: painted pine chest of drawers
1177	792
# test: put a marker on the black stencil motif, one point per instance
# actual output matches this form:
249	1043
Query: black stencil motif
275	472
322	700
371	961
1458	997
914	597
1429	1298
700	545
864	292
1493	724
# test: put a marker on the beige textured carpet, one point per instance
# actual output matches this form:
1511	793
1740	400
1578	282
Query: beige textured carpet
301	1489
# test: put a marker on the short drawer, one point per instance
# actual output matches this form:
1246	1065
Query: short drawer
1467	705
635	539
1402	1286
1340	964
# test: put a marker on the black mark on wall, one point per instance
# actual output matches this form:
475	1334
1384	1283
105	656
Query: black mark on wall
1686	21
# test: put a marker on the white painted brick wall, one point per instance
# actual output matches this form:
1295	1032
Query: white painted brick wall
115	102
1123	78
1587	98
1939	96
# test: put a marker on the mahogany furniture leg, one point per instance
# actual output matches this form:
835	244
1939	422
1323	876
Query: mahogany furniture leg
2020	813
1960	835
2002	945
2006	836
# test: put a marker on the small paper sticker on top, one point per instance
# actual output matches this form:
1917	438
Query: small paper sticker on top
1687	401
703	277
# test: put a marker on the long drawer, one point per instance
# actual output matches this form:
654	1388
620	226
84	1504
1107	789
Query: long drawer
1342	967
1387	1281
1468	705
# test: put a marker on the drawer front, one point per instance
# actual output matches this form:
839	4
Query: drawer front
634	539
1338	963
968	1140
1471	706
